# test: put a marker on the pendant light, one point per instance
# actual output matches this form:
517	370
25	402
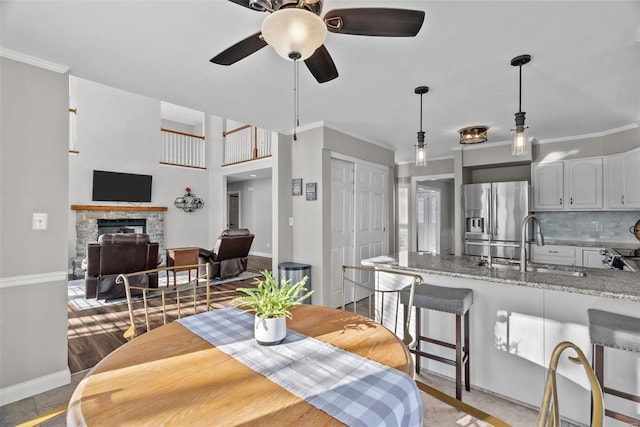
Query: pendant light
421	148
520	145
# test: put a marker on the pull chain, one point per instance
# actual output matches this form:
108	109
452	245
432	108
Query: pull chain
296	99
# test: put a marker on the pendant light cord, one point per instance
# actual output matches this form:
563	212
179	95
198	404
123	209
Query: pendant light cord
520	91
296	98
420	112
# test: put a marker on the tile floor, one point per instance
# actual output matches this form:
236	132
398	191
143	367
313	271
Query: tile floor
436	413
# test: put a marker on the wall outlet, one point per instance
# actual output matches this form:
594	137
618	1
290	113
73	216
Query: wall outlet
39	221
599	226
291	221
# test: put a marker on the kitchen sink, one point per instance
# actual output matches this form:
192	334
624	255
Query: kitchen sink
536	269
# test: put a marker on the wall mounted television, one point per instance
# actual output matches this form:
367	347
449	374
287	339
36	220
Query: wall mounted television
121	187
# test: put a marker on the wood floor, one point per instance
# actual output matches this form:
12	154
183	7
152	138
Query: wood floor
94	333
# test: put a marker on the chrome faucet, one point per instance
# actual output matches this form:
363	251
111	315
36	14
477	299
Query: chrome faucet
523	242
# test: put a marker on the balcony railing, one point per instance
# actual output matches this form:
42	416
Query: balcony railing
182	149
246	143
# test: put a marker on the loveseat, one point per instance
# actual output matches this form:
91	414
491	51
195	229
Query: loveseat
229	256
117	253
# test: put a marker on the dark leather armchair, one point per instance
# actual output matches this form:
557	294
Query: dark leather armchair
119	253
229	257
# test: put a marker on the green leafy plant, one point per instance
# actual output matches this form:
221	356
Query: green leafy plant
269	300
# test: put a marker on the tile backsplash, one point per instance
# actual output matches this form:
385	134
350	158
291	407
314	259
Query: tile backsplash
611	226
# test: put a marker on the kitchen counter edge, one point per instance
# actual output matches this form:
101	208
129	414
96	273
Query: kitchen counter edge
597	282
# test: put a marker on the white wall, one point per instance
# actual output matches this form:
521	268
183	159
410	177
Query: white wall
255	212
120	131
307	235
33	280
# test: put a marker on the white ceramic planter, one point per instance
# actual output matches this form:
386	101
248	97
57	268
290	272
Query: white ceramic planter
270	331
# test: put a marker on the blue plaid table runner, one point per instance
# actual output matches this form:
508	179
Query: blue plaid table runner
353	389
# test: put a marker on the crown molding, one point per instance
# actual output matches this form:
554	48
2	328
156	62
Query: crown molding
32	60
590	135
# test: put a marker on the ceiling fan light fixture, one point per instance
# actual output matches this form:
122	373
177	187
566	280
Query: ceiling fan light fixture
294	33
473	134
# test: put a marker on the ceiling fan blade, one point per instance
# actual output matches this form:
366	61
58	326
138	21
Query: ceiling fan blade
240	50
244	3
374	21
321	65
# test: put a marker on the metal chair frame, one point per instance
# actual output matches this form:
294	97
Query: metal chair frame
549	410
373	291
598	367
177	287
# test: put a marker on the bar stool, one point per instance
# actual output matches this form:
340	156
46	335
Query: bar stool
450	300
613	330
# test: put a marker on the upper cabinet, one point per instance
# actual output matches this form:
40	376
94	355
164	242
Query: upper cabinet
583	182
622	180
567	185
547	185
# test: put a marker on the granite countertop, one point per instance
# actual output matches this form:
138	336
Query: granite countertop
597	282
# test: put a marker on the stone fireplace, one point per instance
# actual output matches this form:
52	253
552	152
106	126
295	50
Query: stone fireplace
122	219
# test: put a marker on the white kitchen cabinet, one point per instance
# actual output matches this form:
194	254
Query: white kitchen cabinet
547	182
622	179
578	256
592	258
567	185
583	183
553	254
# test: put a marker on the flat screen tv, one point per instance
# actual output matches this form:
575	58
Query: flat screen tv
121	187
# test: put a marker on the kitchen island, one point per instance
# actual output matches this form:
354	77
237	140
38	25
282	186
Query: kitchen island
518	318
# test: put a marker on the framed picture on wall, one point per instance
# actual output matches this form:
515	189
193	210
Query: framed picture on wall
296	187
311	191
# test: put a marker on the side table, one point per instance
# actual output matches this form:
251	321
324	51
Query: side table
181	256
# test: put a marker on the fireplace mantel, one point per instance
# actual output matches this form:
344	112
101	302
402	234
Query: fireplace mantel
116	208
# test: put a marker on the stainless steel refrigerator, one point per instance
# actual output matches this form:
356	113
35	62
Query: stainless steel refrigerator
493	218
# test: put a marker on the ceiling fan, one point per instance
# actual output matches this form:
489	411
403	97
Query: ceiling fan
296	31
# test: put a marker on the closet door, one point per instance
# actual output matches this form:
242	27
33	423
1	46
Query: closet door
342	223
371	190
359	220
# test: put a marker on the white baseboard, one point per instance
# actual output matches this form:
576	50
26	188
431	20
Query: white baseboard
262	254
35	386
32	279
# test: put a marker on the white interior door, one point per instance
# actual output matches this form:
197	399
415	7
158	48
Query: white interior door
359	220
233	210
342	223
371	195
428	220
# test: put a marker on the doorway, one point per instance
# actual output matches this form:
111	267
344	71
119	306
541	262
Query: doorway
432	211
428	220
233	210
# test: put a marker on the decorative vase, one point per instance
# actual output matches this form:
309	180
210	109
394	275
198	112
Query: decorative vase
270	331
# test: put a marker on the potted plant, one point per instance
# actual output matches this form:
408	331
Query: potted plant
272	304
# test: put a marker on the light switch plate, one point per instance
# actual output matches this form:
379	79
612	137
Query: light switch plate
40	221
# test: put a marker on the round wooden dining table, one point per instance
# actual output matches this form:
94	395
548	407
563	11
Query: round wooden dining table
171	376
